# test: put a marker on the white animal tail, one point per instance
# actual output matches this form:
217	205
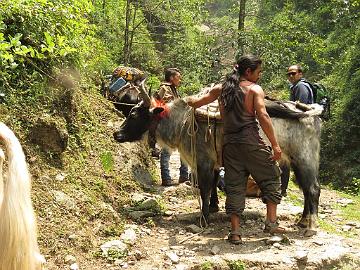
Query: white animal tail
18	239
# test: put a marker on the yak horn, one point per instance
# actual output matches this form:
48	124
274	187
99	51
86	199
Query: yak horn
144	96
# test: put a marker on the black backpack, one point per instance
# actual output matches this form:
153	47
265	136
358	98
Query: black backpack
322	97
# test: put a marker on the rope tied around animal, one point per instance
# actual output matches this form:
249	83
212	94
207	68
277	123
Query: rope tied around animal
191	131
208	130
121	103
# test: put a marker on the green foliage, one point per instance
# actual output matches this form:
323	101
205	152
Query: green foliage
113	230
153	83
114	253
341	144
206	266
283	38
178	33
36	37
107	161
236	265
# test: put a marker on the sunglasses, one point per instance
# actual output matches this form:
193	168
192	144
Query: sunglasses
291	73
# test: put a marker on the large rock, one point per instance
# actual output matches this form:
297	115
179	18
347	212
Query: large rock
140	214
65	200
50	134
117	246
129	236
150	204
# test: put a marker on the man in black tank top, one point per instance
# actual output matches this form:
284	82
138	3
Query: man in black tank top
244	151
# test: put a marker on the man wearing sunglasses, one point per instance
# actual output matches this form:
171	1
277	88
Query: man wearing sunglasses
300	89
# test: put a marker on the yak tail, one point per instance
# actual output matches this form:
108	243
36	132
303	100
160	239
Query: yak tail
18	240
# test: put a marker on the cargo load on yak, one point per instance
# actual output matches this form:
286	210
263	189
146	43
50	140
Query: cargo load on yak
122	77
121	87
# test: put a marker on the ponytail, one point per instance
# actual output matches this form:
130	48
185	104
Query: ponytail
231	84
229	88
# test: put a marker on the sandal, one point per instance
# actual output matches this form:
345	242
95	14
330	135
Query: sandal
273	227
234	241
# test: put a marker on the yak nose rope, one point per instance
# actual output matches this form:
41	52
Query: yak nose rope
191	131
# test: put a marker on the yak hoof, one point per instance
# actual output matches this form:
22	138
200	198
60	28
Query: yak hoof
214	208
204	221
303	222
310	232
308	222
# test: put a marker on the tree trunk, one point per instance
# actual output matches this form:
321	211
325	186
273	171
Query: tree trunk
133	29
126	34
241	26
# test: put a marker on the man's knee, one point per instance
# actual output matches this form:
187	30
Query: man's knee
234	208
270	190
235	200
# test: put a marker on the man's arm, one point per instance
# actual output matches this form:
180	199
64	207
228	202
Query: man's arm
212	95
161	92
265	121
165	94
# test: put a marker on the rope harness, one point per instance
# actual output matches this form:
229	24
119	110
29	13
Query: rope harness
192	129
189	122
208	131
121	103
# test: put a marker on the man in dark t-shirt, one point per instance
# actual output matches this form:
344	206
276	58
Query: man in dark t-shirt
302	92
300	89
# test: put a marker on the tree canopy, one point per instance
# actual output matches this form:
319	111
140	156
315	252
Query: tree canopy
42	39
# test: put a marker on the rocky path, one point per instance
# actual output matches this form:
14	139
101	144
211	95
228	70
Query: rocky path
173	240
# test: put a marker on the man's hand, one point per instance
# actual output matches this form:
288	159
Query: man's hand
277	152
209	97
190	101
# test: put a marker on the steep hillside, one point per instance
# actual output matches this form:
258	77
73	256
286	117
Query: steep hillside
82	178
100	206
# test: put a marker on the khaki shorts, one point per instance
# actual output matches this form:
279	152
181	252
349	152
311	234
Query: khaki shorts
241	160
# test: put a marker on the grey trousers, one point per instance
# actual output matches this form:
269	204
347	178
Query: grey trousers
241	160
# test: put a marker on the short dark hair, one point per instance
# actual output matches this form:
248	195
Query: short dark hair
298	67
170	72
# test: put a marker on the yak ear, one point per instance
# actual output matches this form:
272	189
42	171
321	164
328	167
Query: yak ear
157	110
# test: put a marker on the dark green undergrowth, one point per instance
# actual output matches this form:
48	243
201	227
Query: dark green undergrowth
340	151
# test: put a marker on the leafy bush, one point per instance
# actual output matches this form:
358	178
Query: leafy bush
107	161
36	37
341	142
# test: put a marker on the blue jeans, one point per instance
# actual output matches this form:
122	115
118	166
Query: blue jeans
164	166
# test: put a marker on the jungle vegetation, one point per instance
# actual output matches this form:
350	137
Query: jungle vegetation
41	40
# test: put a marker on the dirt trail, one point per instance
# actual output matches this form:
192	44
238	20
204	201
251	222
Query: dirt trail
168	242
